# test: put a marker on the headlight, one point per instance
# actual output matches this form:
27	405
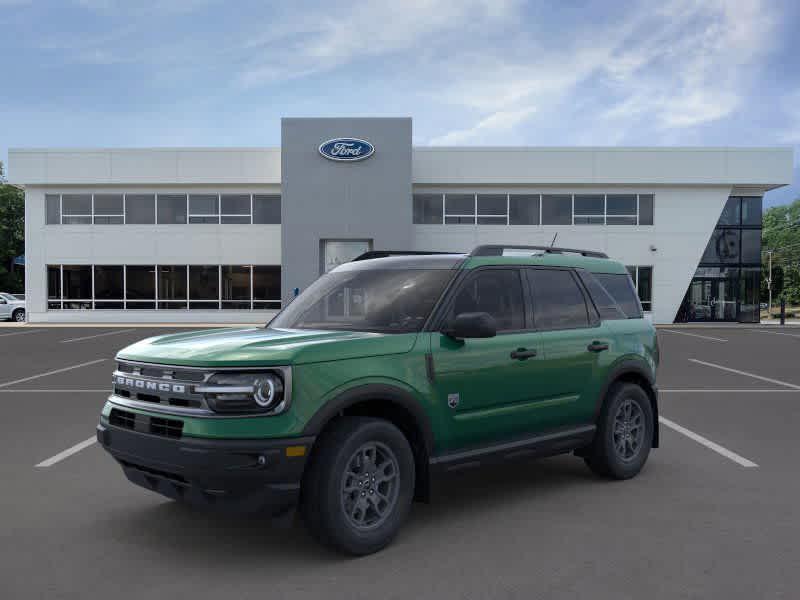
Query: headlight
244	393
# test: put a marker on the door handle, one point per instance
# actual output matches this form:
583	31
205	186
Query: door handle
523	353
596	346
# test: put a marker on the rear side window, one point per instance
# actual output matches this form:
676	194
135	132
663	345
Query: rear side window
558	301
494	291
621	289
605	304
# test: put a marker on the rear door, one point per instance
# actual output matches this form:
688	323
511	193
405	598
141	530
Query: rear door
574	345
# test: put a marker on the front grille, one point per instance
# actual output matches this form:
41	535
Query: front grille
171	428
162	385
156	472
159	372
167	427
122	418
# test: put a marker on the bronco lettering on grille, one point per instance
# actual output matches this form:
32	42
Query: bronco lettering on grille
156	386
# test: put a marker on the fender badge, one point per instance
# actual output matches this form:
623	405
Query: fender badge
452	400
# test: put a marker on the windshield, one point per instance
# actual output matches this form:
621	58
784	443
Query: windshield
380	300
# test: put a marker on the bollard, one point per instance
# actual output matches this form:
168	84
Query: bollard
783	311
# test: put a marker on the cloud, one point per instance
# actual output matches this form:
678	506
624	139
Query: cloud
681	65
498	122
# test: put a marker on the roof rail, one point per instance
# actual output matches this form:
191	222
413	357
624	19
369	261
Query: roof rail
386	253
497	250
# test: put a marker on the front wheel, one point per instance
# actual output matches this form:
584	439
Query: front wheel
19	315
359	485
624	433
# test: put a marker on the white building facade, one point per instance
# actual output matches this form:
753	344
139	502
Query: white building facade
228	234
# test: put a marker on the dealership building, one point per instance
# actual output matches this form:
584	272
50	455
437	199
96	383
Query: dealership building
231	234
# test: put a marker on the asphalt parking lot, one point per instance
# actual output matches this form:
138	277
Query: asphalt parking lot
713	515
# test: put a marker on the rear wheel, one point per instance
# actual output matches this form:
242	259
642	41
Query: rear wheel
19	315
624	433
359	485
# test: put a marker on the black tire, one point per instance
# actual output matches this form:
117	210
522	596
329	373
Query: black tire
612	454
325	498
18	315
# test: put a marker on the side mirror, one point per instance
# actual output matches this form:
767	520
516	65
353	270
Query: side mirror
471	325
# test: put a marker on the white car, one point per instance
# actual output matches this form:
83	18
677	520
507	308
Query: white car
12	308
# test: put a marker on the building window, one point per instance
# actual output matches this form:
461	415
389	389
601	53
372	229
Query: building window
266	287
236	287
172	285
76	209
266	209
643	282
76	282
109	286
589	209
164	209
459	209
492	209
523	209
428	209
171	209
204	208
533	209
109	209
53	209
556	209
163	287
140	209
236	209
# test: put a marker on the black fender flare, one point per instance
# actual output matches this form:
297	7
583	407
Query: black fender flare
635	367
373	391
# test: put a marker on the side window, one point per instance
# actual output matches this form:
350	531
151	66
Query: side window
558	302
605	304
494	291
621	288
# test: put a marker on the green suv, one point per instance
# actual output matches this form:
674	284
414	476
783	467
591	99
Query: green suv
385	373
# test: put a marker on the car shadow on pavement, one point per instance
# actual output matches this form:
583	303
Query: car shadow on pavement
172	529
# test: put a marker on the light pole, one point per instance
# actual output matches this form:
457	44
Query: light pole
769	285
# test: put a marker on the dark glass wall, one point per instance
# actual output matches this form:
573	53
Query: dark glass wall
726	283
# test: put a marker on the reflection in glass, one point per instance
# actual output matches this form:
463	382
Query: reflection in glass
723	247
749	295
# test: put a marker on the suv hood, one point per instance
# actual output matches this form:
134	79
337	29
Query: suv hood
257	346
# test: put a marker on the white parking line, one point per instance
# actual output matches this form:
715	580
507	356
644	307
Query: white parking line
794	335
24	379
67	453
22	332
708	391
740	460
89	337
746	374
697	335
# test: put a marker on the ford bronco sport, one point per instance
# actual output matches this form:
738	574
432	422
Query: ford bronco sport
384	373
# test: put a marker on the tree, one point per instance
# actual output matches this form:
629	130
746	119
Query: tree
781	235
12	235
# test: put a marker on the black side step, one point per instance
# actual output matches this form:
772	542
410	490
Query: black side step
548	444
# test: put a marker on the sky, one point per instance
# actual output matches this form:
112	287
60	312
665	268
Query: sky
107	73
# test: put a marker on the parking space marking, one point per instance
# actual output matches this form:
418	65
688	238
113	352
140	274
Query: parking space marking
794	335
740	460
697	335
89	337
24	379
745	373
67	453
22	332
728	391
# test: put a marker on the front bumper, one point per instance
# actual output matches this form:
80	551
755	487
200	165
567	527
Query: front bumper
243	476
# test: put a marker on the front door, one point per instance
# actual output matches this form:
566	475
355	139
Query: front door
487	388
711	300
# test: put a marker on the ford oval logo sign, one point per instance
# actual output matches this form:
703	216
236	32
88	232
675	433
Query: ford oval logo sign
344	149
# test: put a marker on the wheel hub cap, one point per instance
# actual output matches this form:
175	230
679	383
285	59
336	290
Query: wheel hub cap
370	485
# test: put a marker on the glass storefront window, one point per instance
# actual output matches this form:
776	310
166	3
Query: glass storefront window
730	214
723	247
751	211
749	294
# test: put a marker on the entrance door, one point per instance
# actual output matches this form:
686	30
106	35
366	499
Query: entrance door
712	300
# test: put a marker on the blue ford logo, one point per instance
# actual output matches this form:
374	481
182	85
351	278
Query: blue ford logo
346	149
